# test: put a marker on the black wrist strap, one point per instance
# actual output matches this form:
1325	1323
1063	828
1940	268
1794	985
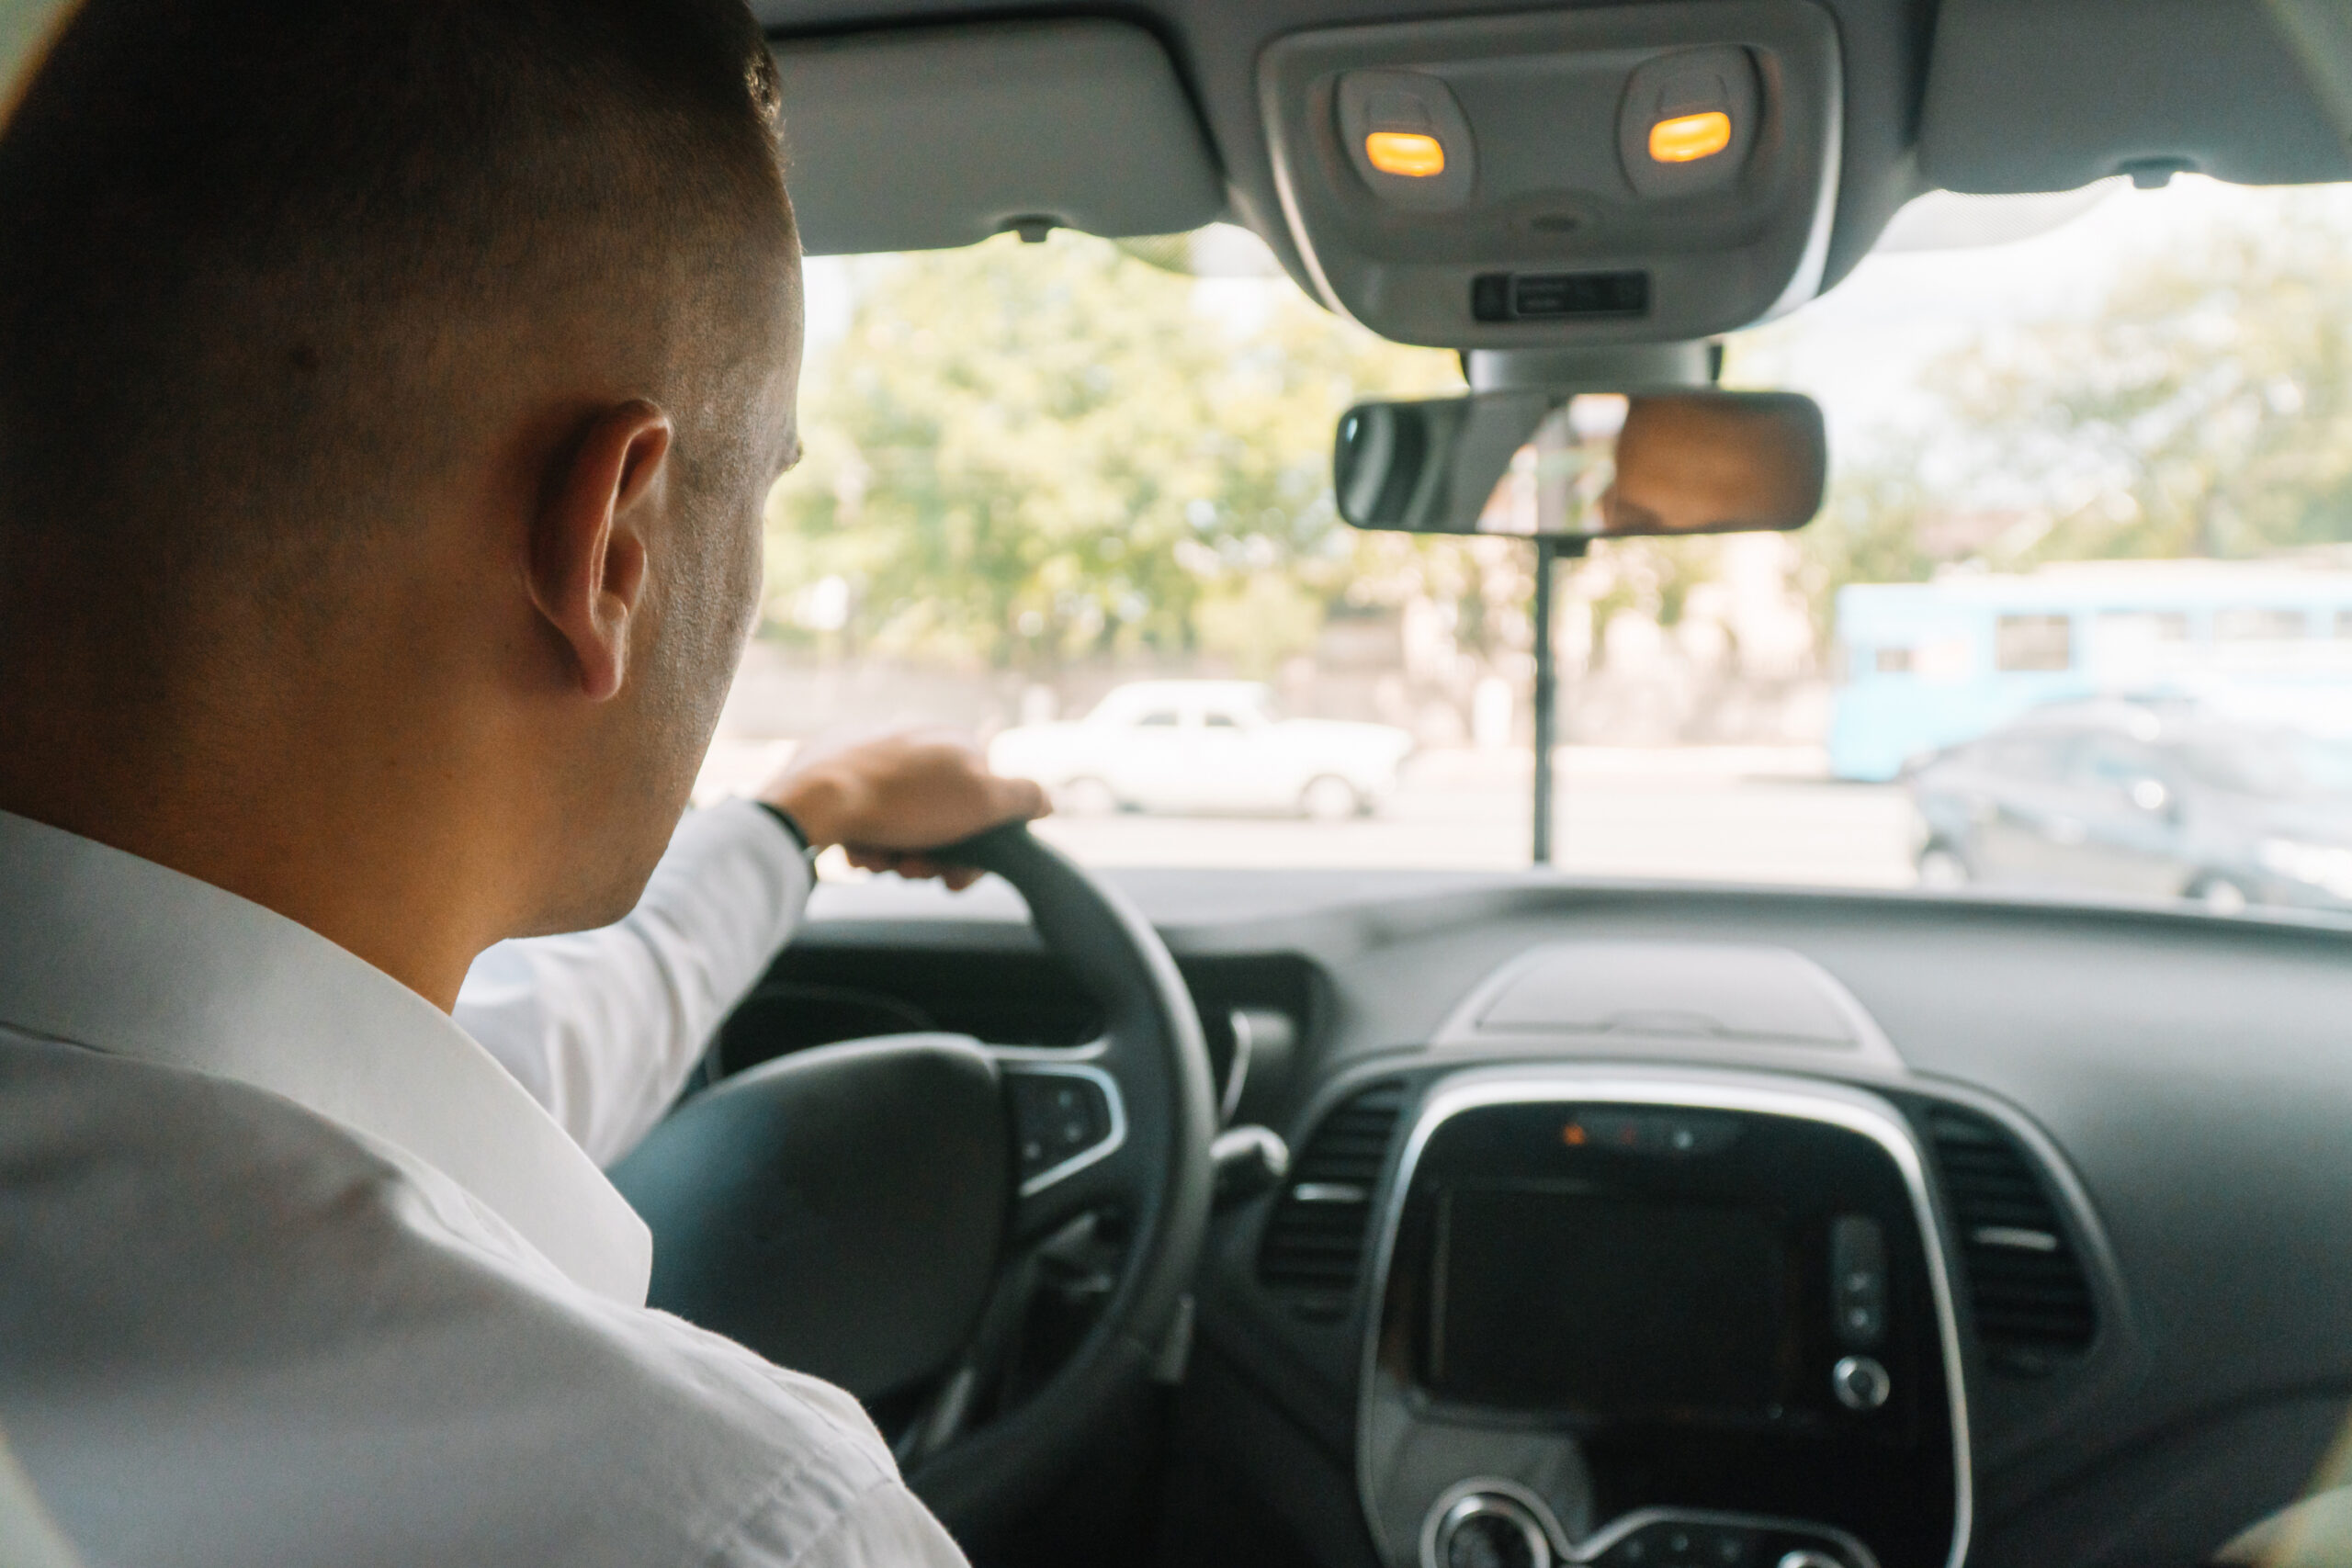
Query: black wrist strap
791	823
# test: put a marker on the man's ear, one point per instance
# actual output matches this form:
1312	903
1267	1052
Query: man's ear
589	541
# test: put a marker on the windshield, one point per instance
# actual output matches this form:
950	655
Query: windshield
1063	482
2274	767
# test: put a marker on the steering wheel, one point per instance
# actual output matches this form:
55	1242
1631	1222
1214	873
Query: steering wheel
863	1211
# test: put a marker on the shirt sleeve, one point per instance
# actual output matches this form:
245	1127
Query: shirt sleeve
886	1527
603	1027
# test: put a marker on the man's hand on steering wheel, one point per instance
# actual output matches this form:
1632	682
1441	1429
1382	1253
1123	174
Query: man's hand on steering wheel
886	800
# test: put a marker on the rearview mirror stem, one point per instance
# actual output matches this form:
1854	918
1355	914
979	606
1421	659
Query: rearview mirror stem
1549	549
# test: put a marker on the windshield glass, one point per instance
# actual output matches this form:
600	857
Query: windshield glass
2278	767
1082	481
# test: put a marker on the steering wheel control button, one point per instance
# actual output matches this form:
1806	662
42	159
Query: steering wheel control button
1860	1383
1806	1557
1487	1529
1681	1543
1858	1282
1057	1117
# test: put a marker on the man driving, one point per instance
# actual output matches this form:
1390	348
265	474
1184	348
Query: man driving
387	398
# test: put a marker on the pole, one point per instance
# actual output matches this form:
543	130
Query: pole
1549	549
1546	697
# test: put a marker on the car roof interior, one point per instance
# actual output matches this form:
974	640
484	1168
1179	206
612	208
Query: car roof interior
910	127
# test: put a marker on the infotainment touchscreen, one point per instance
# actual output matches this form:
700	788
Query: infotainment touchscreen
1547	1299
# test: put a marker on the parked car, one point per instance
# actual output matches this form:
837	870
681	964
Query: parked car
1208	746
2161	800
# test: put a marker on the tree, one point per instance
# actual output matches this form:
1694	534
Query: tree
1028	455
2204	409
1870	530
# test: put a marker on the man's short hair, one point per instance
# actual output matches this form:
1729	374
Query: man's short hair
253	251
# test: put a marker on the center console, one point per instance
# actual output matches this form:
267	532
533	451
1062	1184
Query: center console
1659	1320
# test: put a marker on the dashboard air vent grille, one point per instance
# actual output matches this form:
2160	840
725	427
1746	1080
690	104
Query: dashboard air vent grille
1313	1250
2033	1304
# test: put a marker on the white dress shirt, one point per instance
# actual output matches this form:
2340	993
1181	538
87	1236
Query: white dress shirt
603	1027
292	1271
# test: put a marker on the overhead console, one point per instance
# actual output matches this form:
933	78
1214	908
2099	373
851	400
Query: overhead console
1637	174
1661	1321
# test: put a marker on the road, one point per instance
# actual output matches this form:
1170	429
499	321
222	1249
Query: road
1745	814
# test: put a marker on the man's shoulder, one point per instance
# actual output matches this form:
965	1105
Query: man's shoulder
222	1312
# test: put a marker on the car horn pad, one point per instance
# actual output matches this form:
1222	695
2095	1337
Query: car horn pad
840	1211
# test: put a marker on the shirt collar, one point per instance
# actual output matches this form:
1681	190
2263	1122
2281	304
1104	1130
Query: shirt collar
109	950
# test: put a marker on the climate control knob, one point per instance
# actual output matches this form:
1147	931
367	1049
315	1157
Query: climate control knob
1487	1529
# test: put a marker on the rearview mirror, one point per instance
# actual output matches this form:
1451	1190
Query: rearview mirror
1592	466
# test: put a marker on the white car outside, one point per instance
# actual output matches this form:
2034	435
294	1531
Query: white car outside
1205	746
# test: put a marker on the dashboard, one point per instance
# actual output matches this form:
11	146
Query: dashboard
1659	1226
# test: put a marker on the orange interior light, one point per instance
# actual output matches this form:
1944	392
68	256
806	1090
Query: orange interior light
1573	1134
1688	138
1406	152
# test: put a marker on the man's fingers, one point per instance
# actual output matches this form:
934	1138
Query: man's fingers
991	799
957	878
916	867
1024	800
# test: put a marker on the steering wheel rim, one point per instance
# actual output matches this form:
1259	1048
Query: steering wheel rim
1152	1045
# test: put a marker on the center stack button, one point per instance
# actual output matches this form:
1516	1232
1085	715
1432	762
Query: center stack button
1679	1543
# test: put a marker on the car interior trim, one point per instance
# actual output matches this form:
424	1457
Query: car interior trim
1850	1109
1812	261
1237	1072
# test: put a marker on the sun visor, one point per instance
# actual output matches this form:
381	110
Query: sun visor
933	137
1640	174
2049	95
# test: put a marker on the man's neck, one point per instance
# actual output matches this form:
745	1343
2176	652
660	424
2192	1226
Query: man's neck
370	837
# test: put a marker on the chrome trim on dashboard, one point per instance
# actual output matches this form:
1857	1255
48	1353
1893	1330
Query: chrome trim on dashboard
1838	1105
1237	1072
1055	1062
2014	1238
1331	1192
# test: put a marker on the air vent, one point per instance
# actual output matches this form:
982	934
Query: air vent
2032	1304
1313	1251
